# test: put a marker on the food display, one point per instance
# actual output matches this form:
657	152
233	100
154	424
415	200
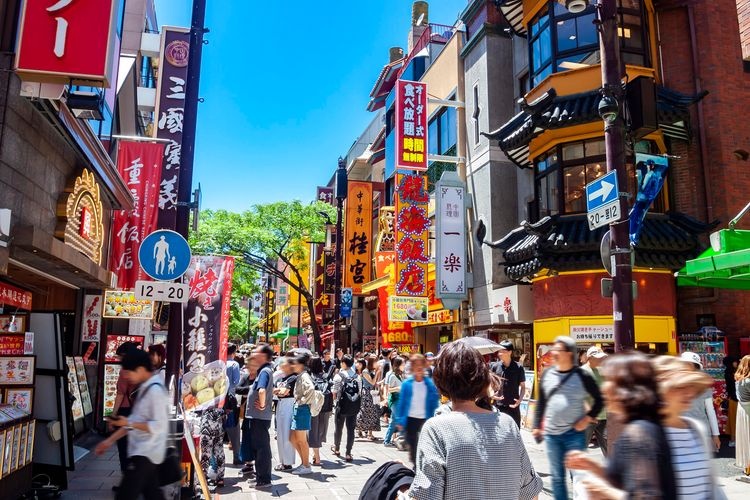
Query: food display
115	341
111	374
205	388
120	304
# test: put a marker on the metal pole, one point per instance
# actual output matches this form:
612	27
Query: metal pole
184	190
614	138
337	258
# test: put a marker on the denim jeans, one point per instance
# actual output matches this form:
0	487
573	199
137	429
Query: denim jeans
391	426
557	446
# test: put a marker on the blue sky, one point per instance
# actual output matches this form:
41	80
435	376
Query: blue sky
285	88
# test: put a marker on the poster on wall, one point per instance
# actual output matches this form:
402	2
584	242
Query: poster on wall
12	344
111	374
13	323
407	309
206	327
91	322
115	341
123	304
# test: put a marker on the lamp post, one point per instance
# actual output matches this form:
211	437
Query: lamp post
340	189
610	110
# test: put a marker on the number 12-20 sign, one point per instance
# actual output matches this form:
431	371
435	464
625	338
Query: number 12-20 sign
164	291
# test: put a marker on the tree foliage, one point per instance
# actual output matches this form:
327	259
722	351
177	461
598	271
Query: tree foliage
262	237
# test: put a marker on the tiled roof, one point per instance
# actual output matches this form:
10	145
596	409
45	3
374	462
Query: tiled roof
565	243
550	111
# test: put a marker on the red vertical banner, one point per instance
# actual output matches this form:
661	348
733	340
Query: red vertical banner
139	164
412	233
358	236
392	332
411	125
170	109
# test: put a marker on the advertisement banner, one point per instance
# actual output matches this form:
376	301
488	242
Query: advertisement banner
346	303
91	322
392	332
123	304
65	40
139	164
206	326
15	297
170	108
407	309
358	236
450	241
412	232
411	125
650	172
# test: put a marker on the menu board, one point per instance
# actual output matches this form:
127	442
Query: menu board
83	385
111	374
75	391
115	341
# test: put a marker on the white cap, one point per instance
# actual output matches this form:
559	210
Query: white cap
692	357
596	352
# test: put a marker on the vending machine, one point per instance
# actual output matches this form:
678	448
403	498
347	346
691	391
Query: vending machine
710	344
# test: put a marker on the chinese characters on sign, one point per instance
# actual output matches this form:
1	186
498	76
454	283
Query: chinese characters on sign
139	164
592	333
170	108
60	40
206	313
450	252
412	231
323	284
325	194
91	322
15	297
358	236
411	125
407	308
81	223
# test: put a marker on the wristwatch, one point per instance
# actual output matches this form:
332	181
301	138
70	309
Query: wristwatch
129	427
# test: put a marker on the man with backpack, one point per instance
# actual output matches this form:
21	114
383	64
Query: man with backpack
346	396
561	418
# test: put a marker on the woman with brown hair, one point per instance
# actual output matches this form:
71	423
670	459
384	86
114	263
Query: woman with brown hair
742	427
457	449
368	419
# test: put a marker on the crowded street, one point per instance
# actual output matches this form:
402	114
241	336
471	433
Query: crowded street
374	250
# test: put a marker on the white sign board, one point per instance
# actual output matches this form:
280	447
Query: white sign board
165	291
450	238
592	333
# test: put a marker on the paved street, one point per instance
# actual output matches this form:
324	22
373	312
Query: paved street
335	480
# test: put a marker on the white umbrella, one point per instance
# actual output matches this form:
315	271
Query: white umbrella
481	344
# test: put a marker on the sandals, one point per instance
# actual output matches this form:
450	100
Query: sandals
335	451
317	464
349	458
283	468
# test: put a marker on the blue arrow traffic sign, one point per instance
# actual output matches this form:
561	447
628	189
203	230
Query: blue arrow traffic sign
164	255
602	191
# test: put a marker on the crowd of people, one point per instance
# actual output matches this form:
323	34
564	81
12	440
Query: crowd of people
457	414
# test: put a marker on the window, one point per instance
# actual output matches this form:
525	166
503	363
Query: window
441	131
559	40
475	115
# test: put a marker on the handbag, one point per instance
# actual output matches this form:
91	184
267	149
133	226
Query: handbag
170	470
375	396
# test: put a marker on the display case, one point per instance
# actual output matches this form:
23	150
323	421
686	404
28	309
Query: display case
710	344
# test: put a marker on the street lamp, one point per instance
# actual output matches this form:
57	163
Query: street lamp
610	111
341	187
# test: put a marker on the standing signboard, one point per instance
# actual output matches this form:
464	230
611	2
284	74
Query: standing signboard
358	236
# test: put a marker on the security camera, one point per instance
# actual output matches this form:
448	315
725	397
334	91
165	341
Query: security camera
608	109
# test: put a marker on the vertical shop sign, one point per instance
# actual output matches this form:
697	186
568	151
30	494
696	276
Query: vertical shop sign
91	322
325	194
66	39
358	236
323	285
139	164
170	108
412	232
206	313
411	125
450	254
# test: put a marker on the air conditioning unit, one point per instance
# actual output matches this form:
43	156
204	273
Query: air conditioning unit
86	104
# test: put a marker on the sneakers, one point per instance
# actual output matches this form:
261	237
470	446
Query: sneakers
302	470
389	445
731	444
248	469
263	486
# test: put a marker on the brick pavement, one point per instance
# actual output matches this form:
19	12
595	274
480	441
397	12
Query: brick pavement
335	480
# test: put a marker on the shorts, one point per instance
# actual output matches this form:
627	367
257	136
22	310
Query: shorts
301	418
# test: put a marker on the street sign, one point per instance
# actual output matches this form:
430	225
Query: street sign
602	203
164	291
164	255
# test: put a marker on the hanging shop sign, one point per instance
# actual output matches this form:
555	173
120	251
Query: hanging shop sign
170	109
412	232
206	327
323	283
592	333
384	264
325	194
450	251
15	297
123	304
80	217
65	40
411	125
407	308
441	317
139	164
358	236
345	309
91	321
386	230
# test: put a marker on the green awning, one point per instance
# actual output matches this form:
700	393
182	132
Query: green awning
725	265
281	334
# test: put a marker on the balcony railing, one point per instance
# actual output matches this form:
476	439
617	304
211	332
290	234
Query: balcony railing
434	33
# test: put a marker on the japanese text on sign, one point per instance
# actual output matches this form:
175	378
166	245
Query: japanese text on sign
593	333
12	296
411	125
451	241
412	231
357	245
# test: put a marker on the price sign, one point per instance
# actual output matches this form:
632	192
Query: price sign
164	291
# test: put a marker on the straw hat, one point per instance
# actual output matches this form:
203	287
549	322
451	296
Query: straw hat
676	373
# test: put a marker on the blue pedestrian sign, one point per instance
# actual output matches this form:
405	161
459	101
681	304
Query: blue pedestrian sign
164	255
602	202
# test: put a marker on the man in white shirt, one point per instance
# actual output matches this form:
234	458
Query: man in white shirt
146	428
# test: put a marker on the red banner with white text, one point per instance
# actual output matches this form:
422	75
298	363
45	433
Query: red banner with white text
139	164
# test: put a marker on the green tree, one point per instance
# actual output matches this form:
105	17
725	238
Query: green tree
270	239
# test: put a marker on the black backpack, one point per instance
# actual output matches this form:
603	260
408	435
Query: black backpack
350	401
323	385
